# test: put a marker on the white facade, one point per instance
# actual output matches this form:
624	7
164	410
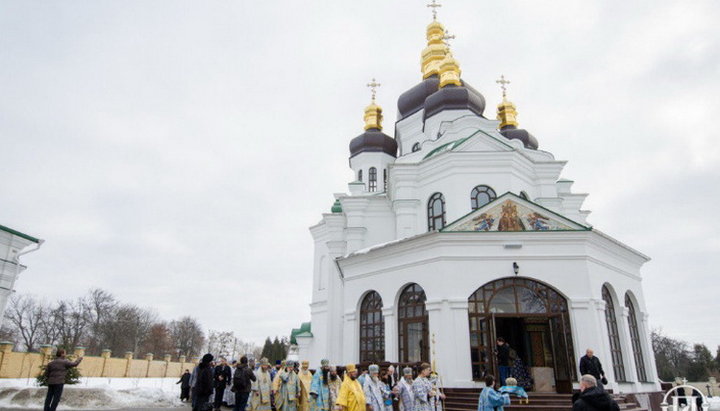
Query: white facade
380	241
13	244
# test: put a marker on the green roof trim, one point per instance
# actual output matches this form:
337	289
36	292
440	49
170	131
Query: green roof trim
304	328
19	234
336	207
447	147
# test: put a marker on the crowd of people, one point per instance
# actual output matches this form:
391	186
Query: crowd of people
247	385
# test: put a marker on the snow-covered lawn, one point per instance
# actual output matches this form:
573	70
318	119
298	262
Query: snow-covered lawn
94	393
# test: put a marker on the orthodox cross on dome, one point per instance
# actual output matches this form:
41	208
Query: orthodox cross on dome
503	83
373	85
434	5
447	37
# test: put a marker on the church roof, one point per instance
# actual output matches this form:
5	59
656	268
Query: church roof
510	212
303	331
19	234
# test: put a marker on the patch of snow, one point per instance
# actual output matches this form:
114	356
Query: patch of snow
94	393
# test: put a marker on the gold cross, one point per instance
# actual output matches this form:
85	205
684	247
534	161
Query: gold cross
434	5
447	37
503	83
373	88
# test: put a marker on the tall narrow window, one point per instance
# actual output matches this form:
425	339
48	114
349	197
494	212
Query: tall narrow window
613	335
372	179
635	339
413	325
360	175
436	212
385	179
372	329
480	196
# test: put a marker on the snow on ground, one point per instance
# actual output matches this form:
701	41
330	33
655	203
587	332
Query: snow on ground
94	393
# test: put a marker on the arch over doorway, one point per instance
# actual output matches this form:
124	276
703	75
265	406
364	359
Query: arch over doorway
533	317
413	334
372	328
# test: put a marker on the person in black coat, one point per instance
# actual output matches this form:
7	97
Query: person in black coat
222	377
592	397
590	364
203	388
242	384
184	386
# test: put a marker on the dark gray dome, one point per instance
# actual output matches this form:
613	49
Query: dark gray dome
514	133
413	100
453	97
373	140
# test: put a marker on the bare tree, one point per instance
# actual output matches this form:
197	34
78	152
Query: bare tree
25	314
71	320
101	305
158	340
188	336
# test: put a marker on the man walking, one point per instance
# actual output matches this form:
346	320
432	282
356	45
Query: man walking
351	396
242	384
56	372
590	364
203	388
593	398
184	386
221	377
262	388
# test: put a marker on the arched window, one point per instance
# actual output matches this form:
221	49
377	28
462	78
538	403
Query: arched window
360	175
413	325
532	317
635	339
524	196
436	212
480	196
372	329
416	147
385	179
615	348
372	179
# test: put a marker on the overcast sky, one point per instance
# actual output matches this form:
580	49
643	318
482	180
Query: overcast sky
175	153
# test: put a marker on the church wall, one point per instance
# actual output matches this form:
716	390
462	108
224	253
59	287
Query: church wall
451	266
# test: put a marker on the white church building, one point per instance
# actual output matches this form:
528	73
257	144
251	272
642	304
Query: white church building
13	244
459	230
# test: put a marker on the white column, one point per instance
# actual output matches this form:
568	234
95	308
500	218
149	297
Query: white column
350	340
458	368
406	217
391	334
648	353
587	328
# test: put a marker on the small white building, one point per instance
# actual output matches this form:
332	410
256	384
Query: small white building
459	230
13	244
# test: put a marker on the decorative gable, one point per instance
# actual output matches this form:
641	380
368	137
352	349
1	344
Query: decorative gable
512	213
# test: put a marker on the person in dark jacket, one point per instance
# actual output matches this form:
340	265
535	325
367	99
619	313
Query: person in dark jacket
184	386
203	388
222	377
242	384
503	359
590	364
592	397
55	373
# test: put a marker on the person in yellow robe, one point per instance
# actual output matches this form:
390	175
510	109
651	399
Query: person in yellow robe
305	377
351	396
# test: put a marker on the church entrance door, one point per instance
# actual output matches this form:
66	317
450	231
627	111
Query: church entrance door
533	319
